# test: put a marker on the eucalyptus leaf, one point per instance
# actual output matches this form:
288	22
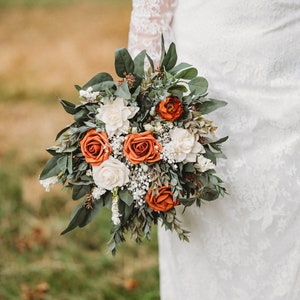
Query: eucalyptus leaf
80	191
69	107
124	64
60	133
178	68
51	168
170	59
80	215
103	86
62	163
198	85
98	78
126	196
123	91
211	105
139	64
189	73
150	61
209	194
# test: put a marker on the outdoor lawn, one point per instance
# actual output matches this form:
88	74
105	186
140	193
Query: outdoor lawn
47	46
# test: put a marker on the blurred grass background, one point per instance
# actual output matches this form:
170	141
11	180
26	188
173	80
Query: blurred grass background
46	47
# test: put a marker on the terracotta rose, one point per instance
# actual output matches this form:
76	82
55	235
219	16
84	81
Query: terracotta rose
163	201
170	109
142	147
95	147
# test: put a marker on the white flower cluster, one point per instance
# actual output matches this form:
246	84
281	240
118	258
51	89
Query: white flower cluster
203	164
139	183
115	211
116	142
89	95
98	192
49	181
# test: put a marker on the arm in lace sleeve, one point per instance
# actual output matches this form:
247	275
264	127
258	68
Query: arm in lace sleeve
150	19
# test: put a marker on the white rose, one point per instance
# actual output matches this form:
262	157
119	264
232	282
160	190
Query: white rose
184	145
110	174
115	114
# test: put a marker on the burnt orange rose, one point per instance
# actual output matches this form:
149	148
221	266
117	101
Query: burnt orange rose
95	147
142	147
170	109
163	201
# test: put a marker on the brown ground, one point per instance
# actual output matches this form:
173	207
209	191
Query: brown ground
44	51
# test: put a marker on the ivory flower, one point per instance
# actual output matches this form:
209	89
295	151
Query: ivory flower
203	164
110	174
184	145
116	114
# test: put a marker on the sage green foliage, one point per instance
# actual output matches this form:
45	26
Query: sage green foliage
144	89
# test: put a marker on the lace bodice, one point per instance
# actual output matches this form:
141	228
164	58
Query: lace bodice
149	20
245	246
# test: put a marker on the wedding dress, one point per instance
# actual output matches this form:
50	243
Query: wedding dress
245	245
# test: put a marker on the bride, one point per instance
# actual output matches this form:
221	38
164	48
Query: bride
246	245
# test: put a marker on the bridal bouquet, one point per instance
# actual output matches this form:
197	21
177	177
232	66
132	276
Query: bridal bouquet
140	147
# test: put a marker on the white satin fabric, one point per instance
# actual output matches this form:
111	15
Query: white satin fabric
245	246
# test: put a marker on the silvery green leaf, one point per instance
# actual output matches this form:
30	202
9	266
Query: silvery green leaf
179	67
139	63
123	91
124	64
198	85
210	105
126	196
100	77
51	168
189	73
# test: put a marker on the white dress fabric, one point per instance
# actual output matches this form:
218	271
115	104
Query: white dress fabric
246	245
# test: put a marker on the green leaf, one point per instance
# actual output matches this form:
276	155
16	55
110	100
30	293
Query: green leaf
103	86
81	215
139	64
77	87
123	91
150	61
178	68
189	168
51	168
77	217
210	155
189	73
68	106
81	115
62	132
100	77
220	141
80	191
170	59
209	194
126	196
198	85
211	105
62	163
123	62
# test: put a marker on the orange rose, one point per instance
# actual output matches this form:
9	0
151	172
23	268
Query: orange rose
95	147
142	147
163	201
170	109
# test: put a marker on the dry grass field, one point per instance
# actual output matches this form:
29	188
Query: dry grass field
45	48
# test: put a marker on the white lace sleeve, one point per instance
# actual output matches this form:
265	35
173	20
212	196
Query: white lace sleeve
150	19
